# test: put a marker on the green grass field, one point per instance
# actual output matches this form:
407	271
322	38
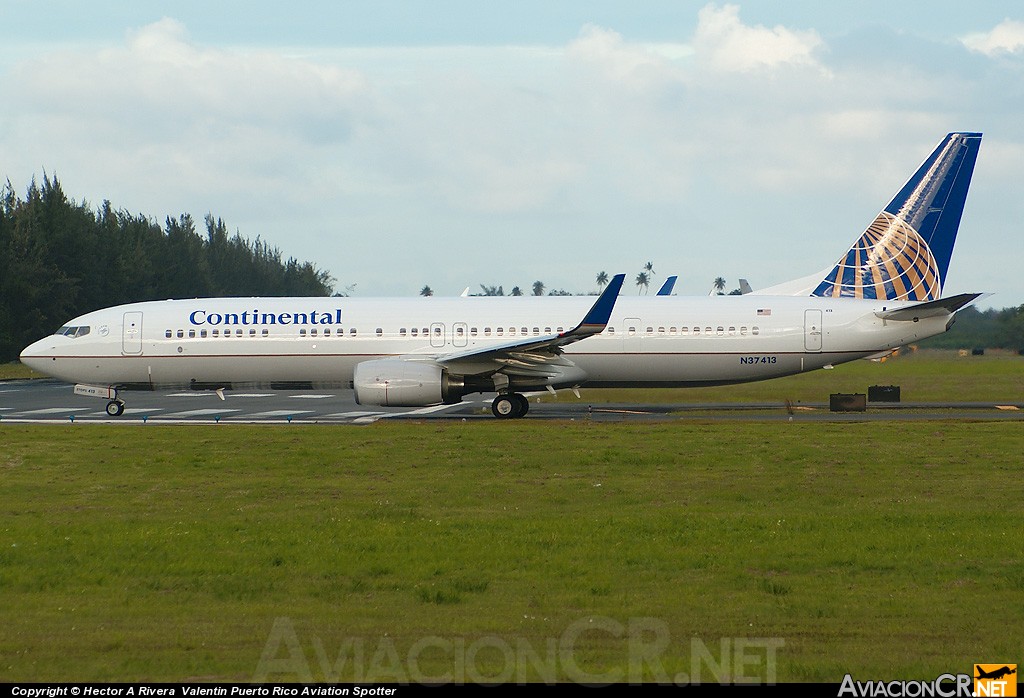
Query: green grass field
517	551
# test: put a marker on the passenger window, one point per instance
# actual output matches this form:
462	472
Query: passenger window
743	330
180	334
547	330
327	331
499	331
650	330
536	331
721	331
696	331
202	333
191	334
167	334
401	331
352	332
460	331
684	330
380	332
525	332
631	331
732	330
754	330
216	333
302	332
487	332
238	332
472	332
611	330
265	332
252	332
414	332
559	330
707	330
671	330
312	332
437	331
661	330
511	331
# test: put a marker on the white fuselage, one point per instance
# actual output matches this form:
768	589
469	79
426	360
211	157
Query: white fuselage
649	341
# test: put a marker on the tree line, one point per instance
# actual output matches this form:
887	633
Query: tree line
59	259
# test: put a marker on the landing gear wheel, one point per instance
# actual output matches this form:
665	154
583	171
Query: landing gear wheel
510	406
505	407
115	408
524	404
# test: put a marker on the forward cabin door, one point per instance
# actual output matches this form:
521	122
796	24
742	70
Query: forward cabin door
812	330
131	335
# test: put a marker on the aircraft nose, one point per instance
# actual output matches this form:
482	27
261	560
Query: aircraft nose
33	355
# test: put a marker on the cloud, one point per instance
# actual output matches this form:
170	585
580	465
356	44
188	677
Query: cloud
728	45
444	163
1006	37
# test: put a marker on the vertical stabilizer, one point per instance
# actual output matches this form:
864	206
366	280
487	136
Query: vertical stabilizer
904	254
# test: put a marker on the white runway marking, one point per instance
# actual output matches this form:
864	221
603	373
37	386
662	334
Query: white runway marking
310	397
193	393
278	413
57	410
198	413
425	410
349	415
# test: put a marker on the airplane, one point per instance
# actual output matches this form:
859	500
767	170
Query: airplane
884	292
995	674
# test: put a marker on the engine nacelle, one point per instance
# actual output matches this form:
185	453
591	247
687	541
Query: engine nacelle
401	383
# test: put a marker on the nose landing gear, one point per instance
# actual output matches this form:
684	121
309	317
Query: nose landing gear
115	408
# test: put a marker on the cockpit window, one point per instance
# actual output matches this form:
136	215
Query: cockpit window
70	331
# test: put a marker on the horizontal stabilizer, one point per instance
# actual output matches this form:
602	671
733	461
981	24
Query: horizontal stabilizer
938	308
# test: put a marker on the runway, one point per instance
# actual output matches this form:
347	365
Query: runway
48	401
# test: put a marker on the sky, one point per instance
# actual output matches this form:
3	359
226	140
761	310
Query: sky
456	143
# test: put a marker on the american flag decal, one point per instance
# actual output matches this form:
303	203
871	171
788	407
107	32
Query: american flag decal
764	311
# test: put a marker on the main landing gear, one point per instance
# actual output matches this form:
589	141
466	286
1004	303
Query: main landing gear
115	408
510	406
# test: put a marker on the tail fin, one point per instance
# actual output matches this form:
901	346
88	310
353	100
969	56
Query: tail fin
904	254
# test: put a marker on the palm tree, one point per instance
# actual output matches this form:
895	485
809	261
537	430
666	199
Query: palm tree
426	291
642	279
719	285
602	279
538	288
649	268
516	291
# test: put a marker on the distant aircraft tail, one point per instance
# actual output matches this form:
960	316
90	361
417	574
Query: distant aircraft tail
904	254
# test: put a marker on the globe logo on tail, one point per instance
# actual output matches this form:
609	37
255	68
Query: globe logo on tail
890	261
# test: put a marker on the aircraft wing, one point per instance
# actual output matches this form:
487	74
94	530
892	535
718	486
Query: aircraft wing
531	355
937	308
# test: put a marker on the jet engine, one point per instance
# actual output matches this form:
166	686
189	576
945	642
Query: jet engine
406	383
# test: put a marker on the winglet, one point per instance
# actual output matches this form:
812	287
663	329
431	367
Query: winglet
666	288
596	318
